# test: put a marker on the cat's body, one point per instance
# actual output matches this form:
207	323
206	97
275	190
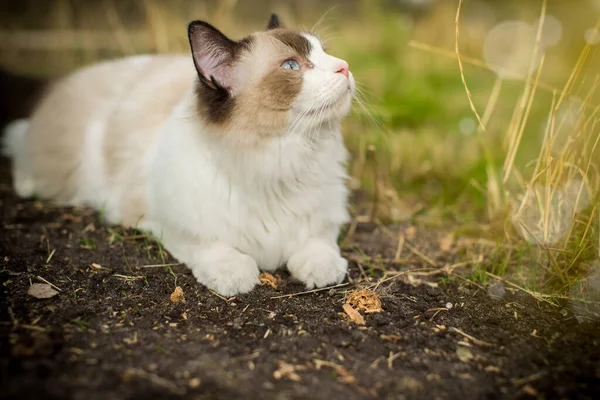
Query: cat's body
233	174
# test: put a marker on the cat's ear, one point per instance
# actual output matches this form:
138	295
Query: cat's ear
274	22
213	54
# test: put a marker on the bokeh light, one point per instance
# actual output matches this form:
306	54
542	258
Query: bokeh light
509	47
585	295
552	30
592	36
467	126
543	215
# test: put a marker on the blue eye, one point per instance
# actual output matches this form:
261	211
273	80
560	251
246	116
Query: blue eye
291	64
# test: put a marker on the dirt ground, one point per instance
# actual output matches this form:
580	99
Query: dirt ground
112	331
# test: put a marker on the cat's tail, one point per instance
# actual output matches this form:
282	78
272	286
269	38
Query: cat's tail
19	95
14	145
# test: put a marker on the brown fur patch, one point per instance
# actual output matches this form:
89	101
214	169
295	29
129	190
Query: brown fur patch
293	40
261	108
280	88
214	100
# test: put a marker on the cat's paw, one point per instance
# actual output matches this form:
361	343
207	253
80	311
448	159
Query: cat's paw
318	265
227	271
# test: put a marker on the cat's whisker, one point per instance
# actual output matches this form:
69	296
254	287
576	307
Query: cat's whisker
322	19
376	121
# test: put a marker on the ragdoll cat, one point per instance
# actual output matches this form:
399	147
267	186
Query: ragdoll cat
232	158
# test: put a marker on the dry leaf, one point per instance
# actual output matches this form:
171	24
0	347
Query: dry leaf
41	291
177	295
365	300
353	314
288	371
268	279
344	375
447	243
410	232
464	354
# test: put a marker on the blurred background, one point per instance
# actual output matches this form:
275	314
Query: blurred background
495	138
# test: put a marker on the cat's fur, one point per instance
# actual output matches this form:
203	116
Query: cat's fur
232	161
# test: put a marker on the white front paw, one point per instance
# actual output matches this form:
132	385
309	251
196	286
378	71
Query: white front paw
318	265
227	271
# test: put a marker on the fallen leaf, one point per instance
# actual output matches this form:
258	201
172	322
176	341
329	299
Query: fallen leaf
41	291
366	300
353	314
446	243
344	375
464	354
288	371
410	232
268	279
177	295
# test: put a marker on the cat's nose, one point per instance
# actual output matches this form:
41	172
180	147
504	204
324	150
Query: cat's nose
342	68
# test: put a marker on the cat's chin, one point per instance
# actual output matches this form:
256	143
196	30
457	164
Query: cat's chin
338	109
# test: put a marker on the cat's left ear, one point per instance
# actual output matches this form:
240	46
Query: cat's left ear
274	22
214	55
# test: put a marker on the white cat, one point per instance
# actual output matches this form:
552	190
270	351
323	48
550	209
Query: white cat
235	165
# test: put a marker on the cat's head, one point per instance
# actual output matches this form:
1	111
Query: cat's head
269	83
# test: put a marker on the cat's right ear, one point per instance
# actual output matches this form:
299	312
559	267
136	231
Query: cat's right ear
213	54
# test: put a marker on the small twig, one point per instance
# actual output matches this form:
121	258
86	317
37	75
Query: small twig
309	291
528	379
472	338
51	284
391	358
376	285
437	311
129	277
31	327
535	295
400	247
155	379
219	296
50	256
421	255
161	265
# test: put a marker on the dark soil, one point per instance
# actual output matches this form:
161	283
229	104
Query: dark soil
113	333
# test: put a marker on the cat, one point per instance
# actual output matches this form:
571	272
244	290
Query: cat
232	158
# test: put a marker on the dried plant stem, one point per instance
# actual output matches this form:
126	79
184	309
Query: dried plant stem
460	66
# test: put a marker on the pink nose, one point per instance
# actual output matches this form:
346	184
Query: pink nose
342	68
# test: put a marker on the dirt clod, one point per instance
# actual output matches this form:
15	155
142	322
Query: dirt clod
177	295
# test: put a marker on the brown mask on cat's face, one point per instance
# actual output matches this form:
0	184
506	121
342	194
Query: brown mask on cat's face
250	86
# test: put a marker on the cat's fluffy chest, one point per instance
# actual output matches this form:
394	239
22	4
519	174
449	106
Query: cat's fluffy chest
264	203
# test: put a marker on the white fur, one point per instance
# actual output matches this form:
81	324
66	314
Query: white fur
272	205
227	211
